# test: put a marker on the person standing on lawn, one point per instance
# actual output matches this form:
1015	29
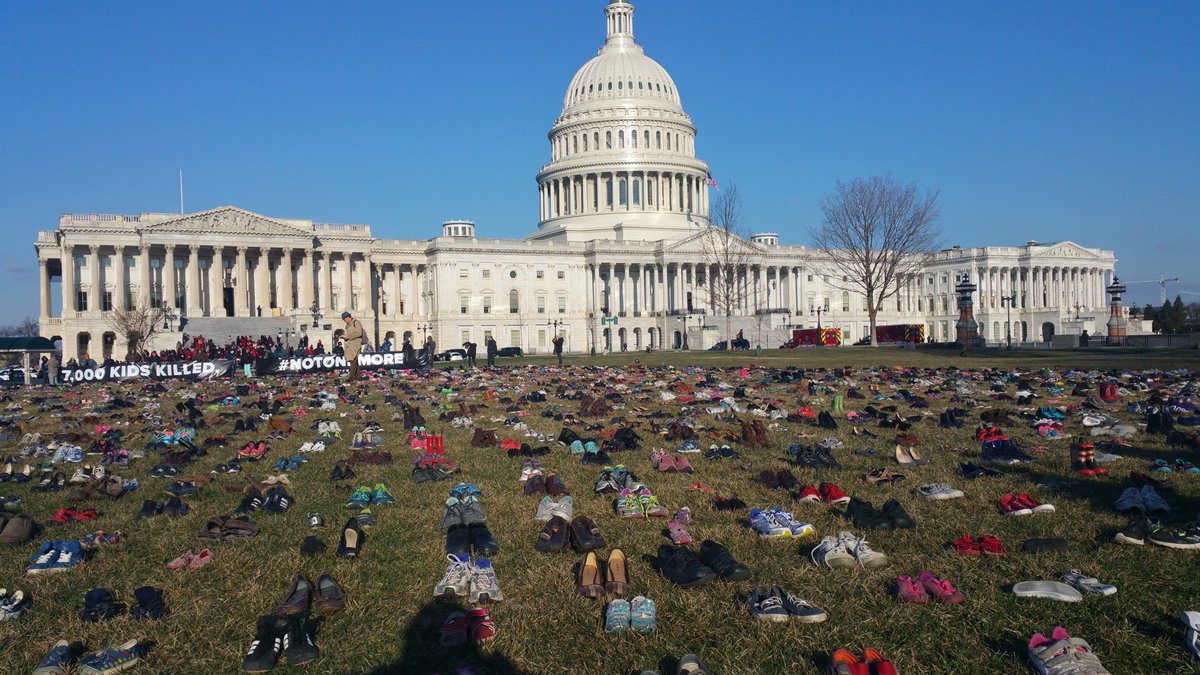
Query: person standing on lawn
491	352
352	342
558	347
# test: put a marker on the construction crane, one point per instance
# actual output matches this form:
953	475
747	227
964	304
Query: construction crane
1162	286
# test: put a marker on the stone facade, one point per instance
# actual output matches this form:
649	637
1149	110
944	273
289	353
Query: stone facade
623	207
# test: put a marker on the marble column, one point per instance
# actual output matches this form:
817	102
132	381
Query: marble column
304	294
169	279
143	276
285	283
95	290
324	275
367	297
43	291
120	277
192	290
68	281
241	291
346	297
216	284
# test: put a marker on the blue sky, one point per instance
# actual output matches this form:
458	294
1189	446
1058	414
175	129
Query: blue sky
1035	120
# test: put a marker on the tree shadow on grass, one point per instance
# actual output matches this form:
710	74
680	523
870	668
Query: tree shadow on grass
424	655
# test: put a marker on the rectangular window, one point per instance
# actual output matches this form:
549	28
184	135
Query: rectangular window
562	274
514	338
487	334
156	263
825	308
810	277
80	261
179	263
562	304
462	273
81	299
541	274
541	304
105	261
487	274
541	338
487	305
464	336
130	263
462	304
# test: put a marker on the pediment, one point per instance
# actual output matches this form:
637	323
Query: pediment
226	220
1067	249
702	241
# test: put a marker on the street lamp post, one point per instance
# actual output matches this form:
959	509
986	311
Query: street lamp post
424	328
315	311
684	345
818	310
1007	302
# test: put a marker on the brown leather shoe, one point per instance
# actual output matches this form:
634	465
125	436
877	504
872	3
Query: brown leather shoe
616	573
298	596
555	486
18	528
585	534
329	595
587	582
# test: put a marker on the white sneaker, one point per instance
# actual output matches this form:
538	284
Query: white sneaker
307	447
939	491
864	554
457	579
832	552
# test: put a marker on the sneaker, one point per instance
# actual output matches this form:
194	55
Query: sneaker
481	627
314	519
298	646
797	528
360	499
808	494
471	513
651	508
863	554
766	606
380	495
1086	584
1130	499
43	558
545	510
939	491
565	508
832	494
642	615
799	609
1136	532
833	552
766	524
1034	505
627	505
57	661
455	630
940	589
457	579
69	554
616	617
909	590
485	587
1152	501
1185	537
1009	506
110	660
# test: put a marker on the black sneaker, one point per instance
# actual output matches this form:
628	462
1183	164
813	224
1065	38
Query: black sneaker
864	516
826	458
681	566
278	500
481	540
148	604
896	515
298	646
1184	537
722	562
268	643
98	605
150	508
174	507
251	502
972	471
1135	532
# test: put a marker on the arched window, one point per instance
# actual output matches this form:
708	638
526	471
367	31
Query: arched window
585	141
514	302
633	138
608	187
596	139
668	140
845	301
646	138
621	193
636	196
621	138
575	144
608	140
619	85
658	140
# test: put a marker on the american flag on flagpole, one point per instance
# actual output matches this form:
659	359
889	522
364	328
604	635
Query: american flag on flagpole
712	182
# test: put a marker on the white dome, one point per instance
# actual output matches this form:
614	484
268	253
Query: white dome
621	72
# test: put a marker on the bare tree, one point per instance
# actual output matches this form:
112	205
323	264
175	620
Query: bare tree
876	233
27	328
138	326
727	257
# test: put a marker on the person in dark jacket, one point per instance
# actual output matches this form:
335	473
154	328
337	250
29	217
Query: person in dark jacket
472	349
491	352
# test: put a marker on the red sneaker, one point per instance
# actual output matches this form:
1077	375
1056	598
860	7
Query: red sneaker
843	662
62	516
991	546
454	629
833	494
908	590
808	493
482	628
965	545
874	660
1025	501
1009	506
86	515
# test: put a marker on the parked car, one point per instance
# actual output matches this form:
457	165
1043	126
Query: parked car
510	351
737	344
451	355
15	374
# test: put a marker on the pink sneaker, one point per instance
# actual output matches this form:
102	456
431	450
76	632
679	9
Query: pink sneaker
681	464
200	560
182	561
908	590
679	535
940	589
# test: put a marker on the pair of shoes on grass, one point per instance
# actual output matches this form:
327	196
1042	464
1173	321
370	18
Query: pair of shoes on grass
776	605
872	662
113	659
466	578
638	614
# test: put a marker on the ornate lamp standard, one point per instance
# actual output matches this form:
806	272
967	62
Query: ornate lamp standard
1007	301
818	311
315	311
424	328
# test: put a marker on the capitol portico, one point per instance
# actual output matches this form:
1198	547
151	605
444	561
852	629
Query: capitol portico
617	259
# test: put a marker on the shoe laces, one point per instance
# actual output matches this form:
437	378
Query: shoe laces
481	577
827	546
770	603
458	571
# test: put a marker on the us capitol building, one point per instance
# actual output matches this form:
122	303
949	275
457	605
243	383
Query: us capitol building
617	261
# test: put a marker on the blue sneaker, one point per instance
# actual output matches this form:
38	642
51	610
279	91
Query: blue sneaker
590	447
111	660
642	614
69	554
280	464
361	499
42	558
463	490
766	525
57	661
577	447
380	495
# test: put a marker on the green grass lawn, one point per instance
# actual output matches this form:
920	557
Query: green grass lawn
391	623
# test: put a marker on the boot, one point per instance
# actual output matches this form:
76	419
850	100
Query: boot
837	405
1079	460
437	444
760	433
